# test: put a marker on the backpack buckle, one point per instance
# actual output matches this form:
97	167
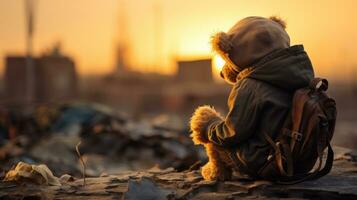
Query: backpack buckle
293	134
296	135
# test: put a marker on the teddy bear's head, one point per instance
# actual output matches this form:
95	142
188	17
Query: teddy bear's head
248	41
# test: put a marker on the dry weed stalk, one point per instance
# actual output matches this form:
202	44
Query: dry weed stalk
82	162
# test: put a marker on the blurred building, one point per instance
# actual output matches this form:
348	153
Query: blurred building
199	71
15	79
149	93
55	78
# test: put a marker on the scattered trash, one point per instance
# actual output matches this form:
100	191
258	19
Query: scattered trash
37	174
77	115
110	142
65	178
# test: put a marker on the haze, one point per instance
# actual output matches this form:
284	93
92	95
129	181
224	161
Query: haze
158	32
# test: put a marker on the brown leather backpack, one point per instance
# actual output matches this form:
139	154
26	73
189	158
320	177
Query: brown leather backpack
297	152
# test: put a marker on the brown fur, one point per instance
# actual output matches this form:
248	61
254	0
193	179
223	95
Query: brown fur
217	167
278	20
221	43
202	117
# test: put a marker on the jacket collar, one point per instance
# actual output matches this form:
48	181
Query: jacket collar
293	50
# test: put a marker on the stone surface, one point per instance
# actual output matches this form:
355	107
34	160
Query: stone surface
341	183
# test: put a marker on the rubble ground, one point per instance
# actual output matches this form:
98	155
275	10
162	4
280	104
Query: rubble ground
110	141
127	159
156	183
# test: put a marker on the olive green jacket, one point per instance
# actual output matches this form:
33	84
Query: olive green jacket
259	102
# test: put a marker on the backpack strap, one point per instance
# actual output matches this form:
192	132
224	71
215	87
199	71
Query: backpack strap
318	84
278	147
313	175
309	127
299	101
239	163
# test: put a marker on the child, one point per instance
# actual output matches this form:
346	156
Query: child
265	71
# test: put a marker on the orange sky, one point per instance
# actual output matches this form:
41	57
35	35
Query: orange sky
88	30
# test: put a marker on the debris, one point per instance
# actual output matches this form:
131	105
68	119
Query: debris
10	149
65	178
170	184
37	174
75	116
169	122
110	142
58	152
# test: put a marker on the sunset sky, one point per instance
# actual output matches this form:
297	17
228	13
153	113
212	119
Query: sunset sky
89	30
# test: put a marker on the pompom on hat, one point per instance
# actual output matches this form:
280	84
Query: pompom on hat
249	40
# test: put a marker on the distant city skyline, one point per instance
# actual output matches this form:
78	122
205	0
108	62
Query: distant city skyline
89	30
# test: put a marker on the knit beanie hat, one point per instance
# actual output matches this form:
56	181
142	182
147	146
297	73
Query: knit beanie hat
249	40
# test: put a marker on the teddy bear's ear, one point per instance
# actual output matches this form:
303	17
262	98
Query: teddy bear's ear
220	43
278	20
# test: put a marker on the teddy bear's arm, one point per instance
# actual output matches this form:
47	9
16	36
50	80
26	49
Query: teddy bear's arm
240	123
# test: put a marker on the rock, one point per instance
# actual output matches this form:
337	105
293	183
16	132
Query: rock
146	189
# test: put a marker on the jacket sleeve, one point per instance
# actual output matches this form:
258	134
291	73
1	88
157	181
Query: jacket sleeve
241	121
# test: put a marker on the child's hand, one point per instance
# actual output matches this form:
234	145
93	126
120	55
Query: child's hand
201	119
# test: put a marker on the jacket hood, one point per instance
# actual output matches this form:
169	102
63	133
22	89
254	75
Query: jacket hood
288	68
249	40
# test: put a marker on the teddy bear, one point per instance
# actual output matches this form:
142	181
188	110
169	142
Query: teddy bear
240	51
219	164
